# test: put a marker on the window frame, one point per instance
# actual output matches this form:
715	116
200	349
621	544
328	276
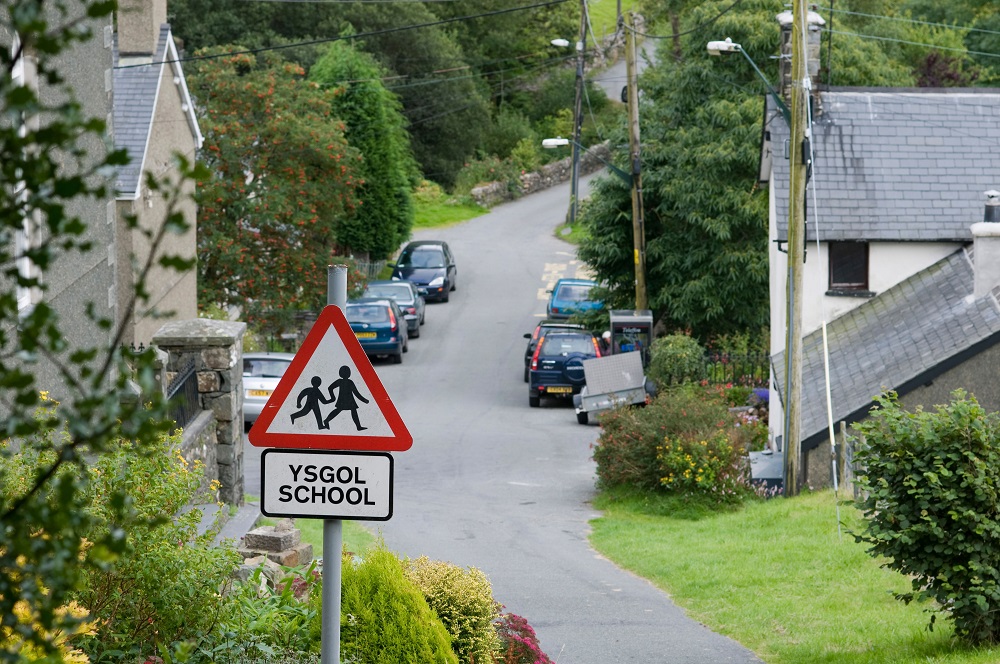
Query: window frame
838	259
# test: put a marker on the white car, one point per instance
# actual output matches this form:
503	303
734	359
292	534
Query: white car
261	373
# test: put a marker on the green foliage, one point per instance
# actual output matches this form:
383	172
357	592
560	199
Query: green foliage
284	184
374	125
273	617
676	358
463	599
167	584
384	617
54	172
932	496
510	129
488	169
627	451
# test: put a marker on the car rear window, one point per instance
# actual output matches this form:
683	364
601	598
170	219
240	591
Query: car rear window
400	292
264	368
422	257
573	293
367	313
566	344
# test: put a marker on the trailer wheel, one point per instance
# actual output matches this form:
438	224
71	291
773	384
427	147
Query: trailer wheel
582	418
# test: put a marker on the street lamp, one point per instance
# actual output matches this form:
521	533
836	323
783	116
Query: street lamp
577	109
719	47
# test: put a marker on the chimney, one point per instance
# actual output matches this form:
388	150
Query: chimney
139	24
986	246
815	23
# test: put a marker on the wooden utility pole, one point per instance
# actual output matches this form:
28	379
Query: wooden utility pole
638	225
796	250
574	204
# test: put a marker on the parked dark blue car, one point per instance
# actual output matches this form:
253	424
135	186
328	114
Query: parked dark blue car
430	265
556	368
379	325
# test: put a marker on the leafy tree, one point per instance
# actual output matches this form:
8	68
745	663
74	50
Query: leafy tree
283	186
51	164
705	219
374	125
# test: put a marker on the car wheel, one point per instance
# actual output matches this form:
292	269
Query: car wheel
416	333
582	418
534	401
445	298
526	374
423	318
406	345
454	286
397	358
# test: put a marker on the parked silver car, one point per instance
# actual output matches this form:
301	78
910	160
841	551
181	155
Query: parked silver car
407	296
261	373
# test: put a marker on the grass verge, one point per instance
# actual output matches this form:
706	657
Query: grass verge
776	577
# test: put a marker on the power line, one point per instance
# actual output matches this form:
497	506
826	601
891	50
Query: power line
912	20
355	36
912	43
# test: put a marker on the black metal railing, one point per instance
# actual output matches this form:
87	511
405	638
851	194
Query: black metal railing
182	394
749	370
746	370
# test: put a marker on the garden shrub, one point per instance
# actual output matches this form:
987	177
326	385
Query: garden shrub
384	616
715	466
627	451
169	585
509	128
675	359
463	598
272	619
932	507
485	170
518	642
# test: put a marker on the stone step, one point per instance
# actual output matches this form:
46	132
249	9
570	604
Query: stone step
234	526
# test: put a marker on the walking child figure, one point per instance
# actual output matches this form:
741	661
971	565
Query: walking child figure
313	397
346	392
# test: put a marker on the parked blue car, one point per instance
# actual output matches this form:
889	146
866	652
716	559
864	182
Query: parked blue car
379	325
571	296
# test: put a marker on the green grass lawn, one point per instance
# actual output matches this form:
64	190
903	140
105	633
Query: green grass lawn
777	577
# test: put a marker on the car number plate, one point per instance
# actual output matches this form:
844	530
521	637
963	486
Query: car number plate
259	393
365	335
559	390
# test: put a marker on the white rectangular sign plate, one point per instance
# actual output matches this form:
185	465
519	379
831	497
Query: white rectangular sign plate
316	484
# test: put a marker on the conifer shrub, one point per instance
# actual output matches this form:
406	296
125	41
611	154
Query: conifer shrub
384	616
463	598
931	483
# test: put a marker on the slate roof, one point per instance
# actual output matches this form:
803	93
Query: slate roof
898	340
894	164
136	91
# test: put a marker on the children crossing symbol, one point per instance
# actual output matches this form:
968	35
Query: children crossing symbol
329	376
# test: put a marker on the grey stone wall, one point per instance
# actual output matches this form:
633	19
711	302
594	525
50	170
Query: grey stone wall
216	348
492	193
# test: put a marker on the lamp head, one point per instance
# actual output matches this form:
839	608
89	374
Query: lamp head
554	142
720	47
560	42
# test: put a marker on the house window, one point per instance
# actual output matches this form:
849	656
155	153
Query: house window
849	267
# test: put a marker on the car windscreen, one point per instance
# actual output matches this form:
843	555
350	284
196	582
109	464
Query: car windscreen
261	368
367	313
573	293
422	257
564	344
398	292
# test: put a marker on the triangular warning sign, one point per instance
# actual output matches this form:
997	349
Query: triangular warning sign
330	397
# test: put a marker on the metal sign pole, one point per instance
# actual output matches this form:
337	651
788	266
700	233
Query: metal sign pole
333	533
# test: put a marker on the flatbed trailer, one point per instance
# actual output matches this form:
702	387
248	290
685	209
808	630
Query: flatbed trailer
612	381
